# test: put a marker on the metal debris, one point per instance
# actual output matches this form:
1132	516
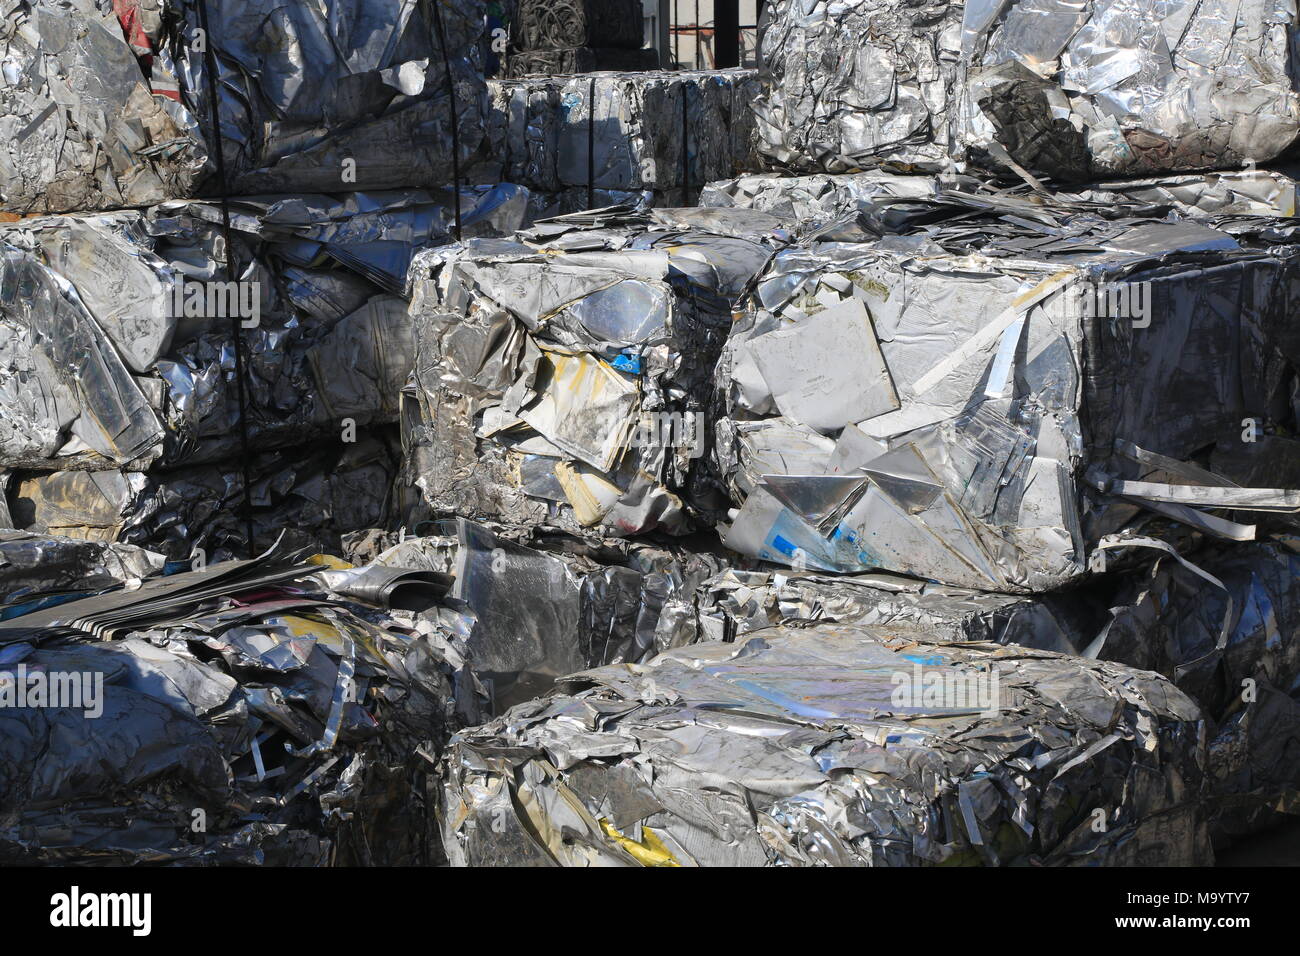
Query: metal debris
127	299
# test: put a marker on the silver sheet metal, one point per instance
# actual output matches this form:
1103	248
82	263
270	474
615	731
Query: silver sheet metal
106	107
531	608
281	728
311	92
806	746
35	566
811	203
1168	618
1015	421
82	125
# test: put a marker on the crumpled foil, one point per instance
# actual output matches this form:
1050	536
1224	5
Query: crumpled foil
32	565
1220	621
83	128
794	747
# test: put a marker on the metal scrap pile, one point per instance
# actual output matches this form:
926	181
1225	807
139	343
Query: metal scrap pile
284	712
578	142
235	715
577	36
792	746
1066	90
450	487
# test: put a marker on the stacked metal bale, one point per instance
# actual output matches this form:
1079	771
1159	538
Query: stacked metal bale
578	142
275	712
565	377
1061	90
994	411
934	506
107	104
121	362
163	366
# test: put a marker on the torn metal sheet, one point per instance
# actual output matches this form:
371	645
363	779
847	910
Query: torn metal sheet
836	745
736	602
1032	347
564	377
882	202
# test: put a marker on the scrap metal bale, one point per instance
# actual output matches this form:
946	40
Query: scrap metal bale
565	24
563	378
656	133
309	496
108	108
532	609
84	128
261	724
1231	643
347	94
984	403
836	745
1067	91
120	349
